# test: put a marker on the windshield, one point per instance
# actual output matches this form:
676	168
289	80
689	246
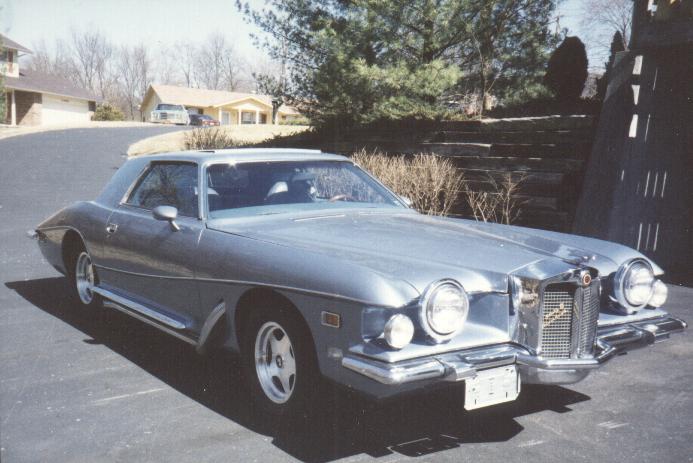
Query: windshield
169	107
260	188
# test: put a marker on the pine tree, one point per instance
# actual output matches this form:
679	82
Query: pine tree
603	81
566	73
358	61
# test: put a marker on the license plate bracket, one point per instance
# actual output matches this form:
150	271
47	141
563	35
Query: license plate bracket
491	387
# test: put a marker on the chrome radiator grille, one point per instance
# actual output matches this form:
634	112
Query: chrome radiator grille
557	321
587	317
569	320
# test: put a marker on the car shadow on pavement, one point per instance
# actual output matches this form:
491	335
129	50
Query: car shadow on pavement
341	423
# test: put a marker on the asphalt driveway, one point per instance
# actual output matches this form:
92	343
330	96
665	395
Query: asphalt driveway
92	387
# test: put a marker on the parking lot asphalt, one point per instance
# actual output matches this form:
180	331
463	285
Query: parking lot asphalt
101	387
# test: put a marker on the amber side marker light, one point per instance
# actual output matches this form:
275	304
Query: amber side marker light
331	319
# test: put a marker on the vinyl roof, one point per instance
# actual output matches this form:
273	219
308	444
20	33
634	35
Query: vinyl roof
248	155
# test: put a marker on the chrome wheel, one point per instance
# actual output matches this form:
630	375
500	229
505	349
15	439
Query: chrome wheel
275	362
84	278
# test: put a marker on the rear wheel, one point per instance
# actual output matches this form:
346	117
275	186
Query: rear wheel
280	362
84	280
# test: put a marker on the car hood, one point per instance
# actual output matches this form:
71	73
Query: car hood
421	249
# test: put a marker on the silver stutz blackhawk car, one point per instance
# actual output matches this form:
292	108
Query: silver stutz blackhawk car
310	268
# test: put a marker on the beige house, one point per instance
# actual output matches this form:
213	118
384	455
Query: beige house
229	108
38	99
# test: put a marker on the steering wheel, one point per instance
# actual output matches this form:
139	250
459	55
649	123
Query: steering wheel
342	197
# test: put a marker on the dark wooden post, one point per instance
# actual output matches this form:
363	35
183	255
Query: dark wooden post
638	185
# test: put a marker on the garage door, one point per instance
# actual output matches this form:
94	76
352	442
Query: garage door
59	110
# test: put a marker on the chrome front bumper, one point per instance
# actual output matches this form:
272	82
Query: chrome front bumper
460	365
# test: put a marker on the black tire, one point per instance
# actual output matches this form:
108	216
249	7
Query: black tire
83	296
306	380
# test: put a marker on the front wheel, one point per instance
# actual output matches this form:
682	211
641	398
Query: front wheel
280	362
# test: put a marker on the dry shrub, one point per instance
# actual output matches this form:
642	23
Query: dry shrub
431	182
499	203
208	139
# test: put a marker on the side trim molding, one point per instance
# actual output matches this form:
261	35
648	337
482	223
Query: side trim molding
131	305
250	283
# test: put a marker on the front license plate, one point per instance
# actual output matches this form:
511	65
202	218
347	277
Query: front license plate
492	386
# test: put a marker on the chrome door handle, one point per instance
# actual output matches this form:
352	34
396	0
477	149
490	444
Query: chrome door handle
112	228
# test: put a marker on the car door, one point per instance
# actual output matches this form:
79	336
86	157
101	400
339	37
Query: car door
148	260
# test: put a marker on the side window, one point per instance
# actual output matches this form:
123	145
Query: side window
168	184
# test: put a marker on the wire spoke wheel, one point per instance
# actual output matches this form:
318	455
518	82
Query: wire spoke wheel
84	278
275	362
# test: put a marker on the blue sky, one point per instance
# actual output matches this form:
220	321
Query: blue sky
157	22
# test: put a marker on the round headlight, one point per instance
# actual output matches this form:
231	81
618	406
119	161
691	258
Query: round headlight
634	284
444	309
637	284
399	330
659	294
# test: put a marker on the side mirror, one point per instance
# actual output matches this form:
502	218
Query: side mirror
168	214
406	200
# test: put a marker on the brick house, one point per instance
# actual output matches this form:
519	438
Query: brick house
38	99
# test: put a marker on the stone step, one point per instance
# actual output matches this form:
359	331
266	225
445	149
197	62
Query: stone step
525	201
535	137
578	150
523	187
548	179
518	164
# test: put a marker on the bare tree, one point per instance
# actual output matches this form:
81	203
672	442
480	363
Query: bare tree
218	66
134	68
57	61
185	54
93	55
167	66
601	18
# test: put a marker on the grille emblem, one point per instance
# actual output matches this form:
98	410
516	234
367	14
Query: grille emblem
554	315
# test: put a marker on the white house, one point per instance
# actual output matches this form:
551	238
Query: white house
38	99
229	108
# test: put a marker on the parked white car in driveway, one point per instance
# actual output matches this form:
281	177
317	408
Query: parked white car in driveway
170	114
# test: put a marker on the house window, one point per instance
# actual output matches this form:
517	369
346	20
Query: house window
92	106
247	117
10	60
263	118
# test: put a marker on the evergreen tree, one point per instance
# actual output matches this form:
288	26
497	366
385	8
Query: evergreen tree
510	41
567	71
360	60
616	47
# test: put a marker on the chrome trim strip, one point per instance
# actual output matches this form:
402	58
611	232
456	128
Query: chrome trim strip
150	322
457	366
131	305
209	324
249	283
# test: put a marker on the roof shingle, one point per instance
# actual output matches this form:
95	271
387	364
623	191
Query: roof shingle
6	42
30	81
